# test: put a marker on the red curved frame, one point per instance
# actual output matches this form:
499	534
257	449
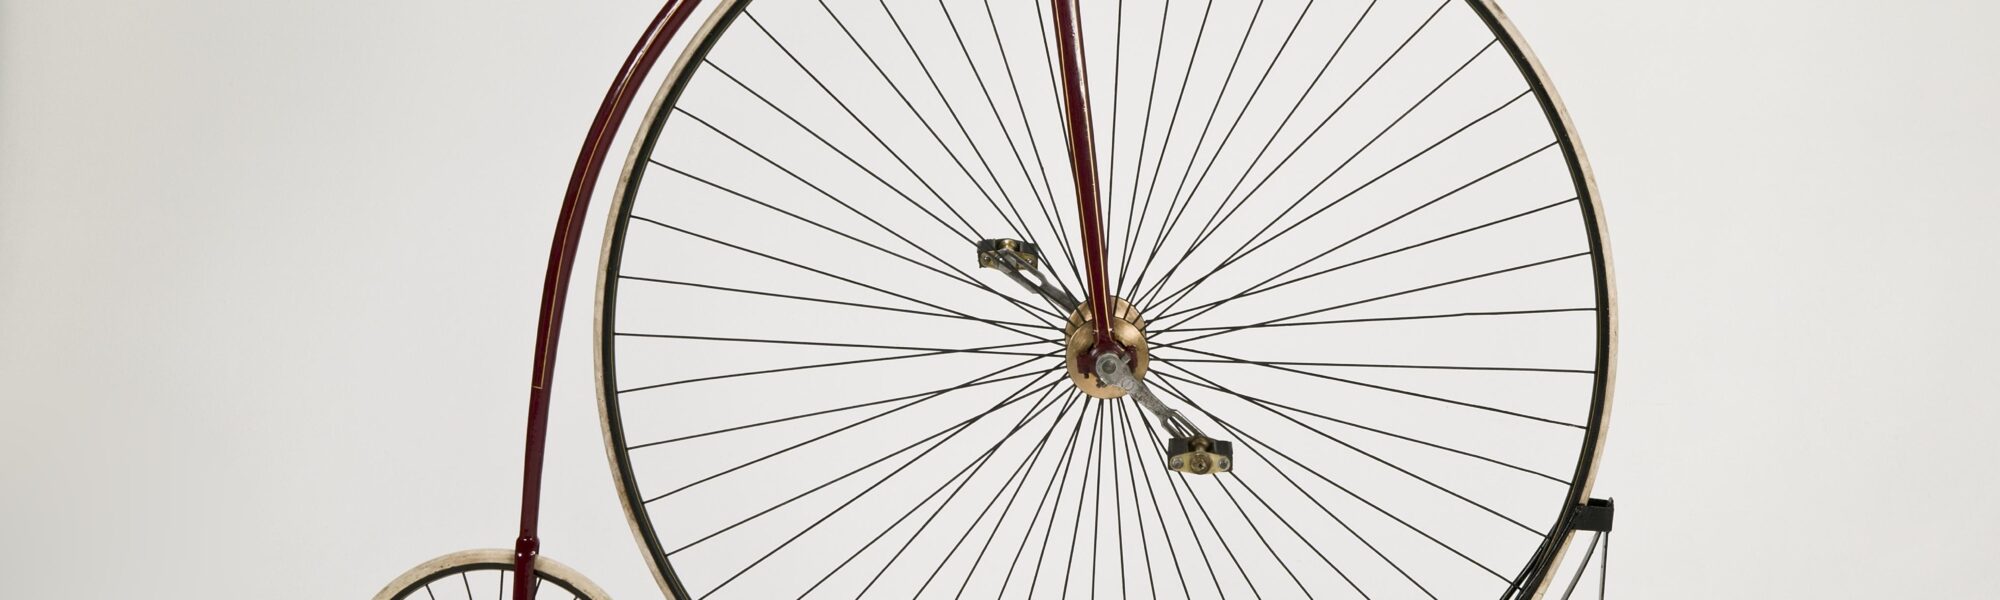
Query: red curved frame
562	260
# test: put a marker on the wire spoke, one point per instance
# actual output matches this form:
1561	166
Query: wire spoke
1186	515
1042	203
1111	142
1090	465
1118	511
878	138
842	363
1501	313
1295	532
947	434
969	384
1132	451
706	338
1208	232
961	274
1208	123
963	477
1246	249
1223	91
1166	141
1204	232
1385	388
1399	468
1293	111
1229	132
1222	330
1021	474
1210	384
1047	492
1314	498
1366	365
1254	530
1145	132
1156	436
871	173
979	156
809	441
768	294
1260	536
825	273
1259	287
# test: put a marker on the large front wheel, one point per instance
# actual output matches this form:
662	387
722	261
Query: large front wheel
1356	238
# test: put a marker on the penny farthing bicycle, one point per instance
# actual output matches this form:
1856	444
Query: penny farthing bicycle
1131	299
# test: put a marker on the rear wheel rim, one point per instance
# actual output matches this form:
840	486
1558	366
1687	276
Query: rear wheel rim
486	574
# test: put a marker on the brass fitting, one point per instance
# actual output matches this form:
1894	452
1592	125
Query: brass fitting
1127	327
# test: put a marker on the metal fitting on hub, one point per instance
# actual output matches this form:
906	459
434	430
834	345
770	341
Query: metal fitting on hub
1127	328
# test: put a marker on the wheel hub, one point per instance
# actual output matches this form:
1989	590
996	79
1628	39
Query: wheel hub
1127	327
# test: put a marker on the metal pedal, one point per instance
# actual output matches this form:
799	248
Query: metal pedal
1021	262
1200	455
1007	255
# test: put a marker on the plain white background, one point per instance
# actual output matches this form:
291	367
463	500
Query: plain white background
268	273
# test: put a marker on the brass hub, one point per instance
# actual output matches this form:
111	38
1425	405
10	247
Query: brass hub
1126	326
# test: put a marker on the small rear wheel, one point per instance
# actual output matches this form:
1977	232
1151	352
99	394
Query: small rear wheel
485	574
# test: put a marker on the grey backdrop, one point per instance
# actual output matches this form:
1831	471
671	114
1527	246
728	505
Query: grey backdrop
268	273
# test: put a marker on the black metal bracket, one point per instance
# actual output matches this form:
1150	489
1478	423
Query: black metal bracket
1593	515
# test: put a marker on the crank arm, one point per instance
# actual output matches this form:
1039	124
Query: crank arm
1112	370
1189	451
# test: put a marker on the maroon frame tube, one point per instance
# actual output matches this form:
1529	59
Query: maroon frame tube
562	261
1083	159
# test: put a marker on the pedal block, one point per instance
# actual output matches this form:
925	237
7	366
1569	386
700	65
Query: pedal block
1006	254
1200	455
1593	515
